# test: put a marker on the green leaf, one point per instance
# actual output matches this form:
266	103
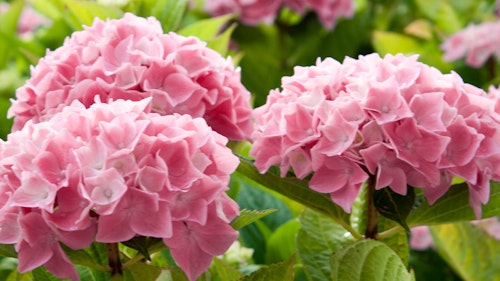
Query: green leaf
80	13
318	238
142	244
454	206
7	250
141	271
282	271
472	253
281	244
169	13
397	241
386	42
206	29
246	217
225	271
394	206
294	189
42	274
368	260
8	27
16	276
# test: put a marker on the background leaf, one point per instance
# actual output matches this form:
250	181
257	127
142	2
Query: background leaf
472	253
368	260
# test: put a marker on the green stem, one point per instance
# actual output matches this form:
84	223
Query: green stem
371	213
140	257
351	230
389	232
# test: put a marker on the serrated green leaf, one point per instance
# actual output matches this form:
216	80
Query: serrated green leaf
282	242
319	237
42	274
367	260
282	271
394	206
294	189
224	271
454	206
247	217
472	253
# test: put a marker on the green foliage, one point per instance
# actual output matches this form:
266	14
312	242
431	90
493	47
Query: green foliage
279	271
318	238
394	206
454	207
368	260
472	253
248	216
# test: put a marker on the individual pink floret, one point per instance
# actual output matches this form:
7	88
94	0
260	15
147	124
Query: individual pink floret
253	12
476	43
112	172
392	119
131	58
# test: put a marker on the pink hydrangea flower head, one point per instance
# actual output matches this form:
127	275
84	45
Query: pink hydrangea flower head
131	58
111	172
393	119
328	11
250	12
253	12
421	238
476	43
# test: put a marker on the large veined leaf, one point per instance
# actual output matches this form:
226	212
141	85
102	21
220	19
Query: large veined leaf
454	206
472	253
368	260
282	242
318	238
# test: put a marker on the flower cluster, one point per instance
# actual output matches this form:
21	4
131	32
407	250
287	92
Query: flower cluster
476	43
111	172
29	19
421	237
264	11
131	58
392	119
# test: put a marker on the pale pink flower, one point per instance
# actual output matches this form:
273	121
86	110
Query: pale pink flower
253	12
328	11
421	238
111	172
476	43
394	119
131	58
29	19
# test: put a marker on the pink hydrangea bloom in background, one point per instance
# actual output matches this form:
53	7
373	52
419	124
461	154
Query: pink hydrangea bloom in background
393	118
29	20
131	58
253	12
476	43
421	238
115	171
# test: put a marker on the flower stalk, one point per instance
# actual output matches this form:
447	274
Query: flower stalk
114	259
372	217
